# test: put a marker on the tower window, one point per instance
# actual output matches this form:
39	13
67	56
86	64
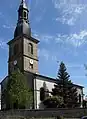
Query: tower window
25	14
30	48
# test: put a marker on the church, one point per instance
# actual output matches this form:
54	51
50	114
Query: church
23	53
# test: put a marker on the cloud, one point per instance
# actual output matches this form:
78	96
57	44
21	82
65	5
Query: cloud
43	37
3	44
8	26
38	18
5	26
75	66
70	10
1	14
43	53
78	76
75	39
54	58
47	55
36	3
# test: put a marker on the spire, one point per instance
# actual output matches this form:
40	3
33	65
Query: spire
23	22
23	4
23	11
23	1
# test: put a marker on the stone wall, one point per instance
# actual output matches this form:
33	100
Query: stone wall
48	113
27	56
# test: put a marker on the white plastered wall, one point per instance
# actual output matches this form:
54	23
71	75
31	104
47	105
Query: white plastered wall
38	83
80	91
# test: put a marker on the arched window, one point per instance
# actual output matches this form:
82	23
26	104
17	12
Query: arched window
44	85
46	89
42	94
79	98
30	48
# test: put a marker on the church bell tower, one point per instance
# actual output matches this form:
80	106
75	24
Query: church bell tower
23	47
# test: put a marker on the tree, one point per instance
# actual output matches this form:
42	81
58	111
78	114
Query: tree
44	92
65	88
53	102
18	94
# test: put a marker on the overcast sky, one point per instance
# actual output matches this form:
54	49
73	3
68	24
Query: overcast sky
61	27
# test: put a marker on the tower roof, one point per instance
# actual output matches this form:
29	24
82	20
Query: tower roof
23	26
23	5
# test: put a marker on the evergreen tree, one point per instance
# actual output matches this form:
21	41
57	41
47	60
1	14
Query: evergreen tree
65	88
18	94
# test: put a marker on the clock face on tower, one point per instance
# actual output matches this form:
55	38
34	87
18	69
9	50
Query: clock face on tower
15	62
31	61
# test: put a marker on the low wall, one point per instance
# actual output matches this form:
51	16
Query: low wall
48	113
